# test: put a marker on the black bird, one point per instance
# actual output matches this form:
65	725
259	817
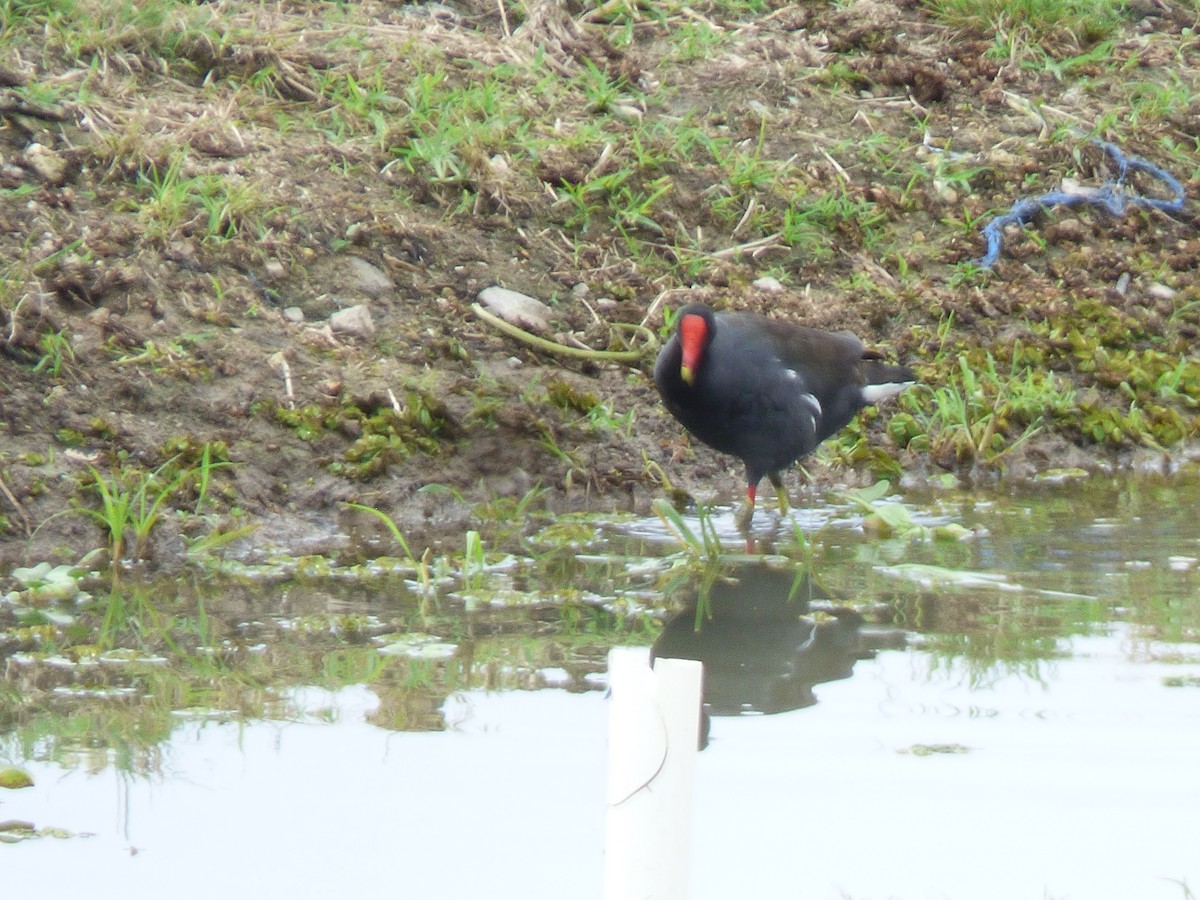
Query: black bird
767	391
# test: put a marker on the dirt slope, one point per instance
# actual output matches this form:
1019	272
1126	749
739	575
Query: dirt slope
188	195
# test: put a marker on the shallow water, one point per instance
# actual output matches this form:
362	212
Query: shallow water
1015	714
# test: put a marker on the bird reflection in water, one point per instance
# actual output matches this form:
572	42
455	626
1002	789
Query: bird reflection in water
762	649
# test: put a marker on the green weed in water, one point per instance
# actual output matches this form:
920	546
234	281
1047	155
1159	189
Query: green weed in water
706	545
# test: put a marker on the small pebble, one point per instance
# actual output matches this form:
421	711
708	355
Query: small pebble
367	278
945	193
11	176
294	314
46	163
1065	231
1160	292
1000	159
768	284
517	308
354	320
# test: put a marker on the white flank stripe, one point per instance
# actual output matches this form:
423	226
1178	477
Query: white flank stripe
873	393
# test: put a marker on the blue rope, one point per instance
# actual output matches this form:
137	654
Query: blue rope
1110	197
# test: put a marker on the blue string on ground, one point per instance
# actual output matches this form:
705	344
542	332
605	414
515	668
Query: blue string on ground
1110	196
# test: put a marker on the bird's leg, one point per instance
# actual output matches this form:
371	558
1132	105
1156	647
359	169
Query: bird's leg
780	491
746	512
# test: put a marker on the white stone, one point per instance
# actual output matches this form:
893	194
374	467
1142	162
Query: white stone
517	308
768	284
354	320
48	165
367	278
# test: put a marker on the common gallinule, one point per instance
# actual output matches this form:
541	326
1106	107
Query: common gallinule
766	391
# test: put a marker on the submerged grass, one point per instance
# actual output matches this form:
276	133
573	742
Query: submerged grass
140	656
217	643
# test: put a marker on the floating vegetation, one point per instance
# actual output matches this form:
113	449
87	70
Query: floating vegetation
928	576
934	749
14	779
416	645
44	583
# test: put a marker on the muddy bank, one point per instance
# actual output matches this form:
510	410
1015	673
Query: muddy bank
190	200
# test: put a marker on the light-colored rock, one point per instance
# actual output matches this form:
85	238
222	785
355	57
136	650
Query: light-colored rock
367	278
11	176
354	320
768	284
517	308
46	163
1069	230
999	158
294	314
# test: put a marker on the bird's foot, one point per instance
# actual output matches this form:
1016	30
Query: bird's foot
780	492
744	514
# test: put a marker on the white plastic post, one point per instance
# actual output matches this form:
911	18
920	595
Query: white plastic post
653	726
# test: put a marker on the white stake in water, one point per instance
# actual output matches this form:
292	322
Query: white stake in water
654	721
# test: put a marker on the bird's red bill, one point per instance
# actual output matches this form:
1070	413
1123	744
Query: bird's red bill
693	332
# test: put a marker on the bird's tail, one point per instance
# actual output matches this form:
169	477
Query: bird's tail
884	380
